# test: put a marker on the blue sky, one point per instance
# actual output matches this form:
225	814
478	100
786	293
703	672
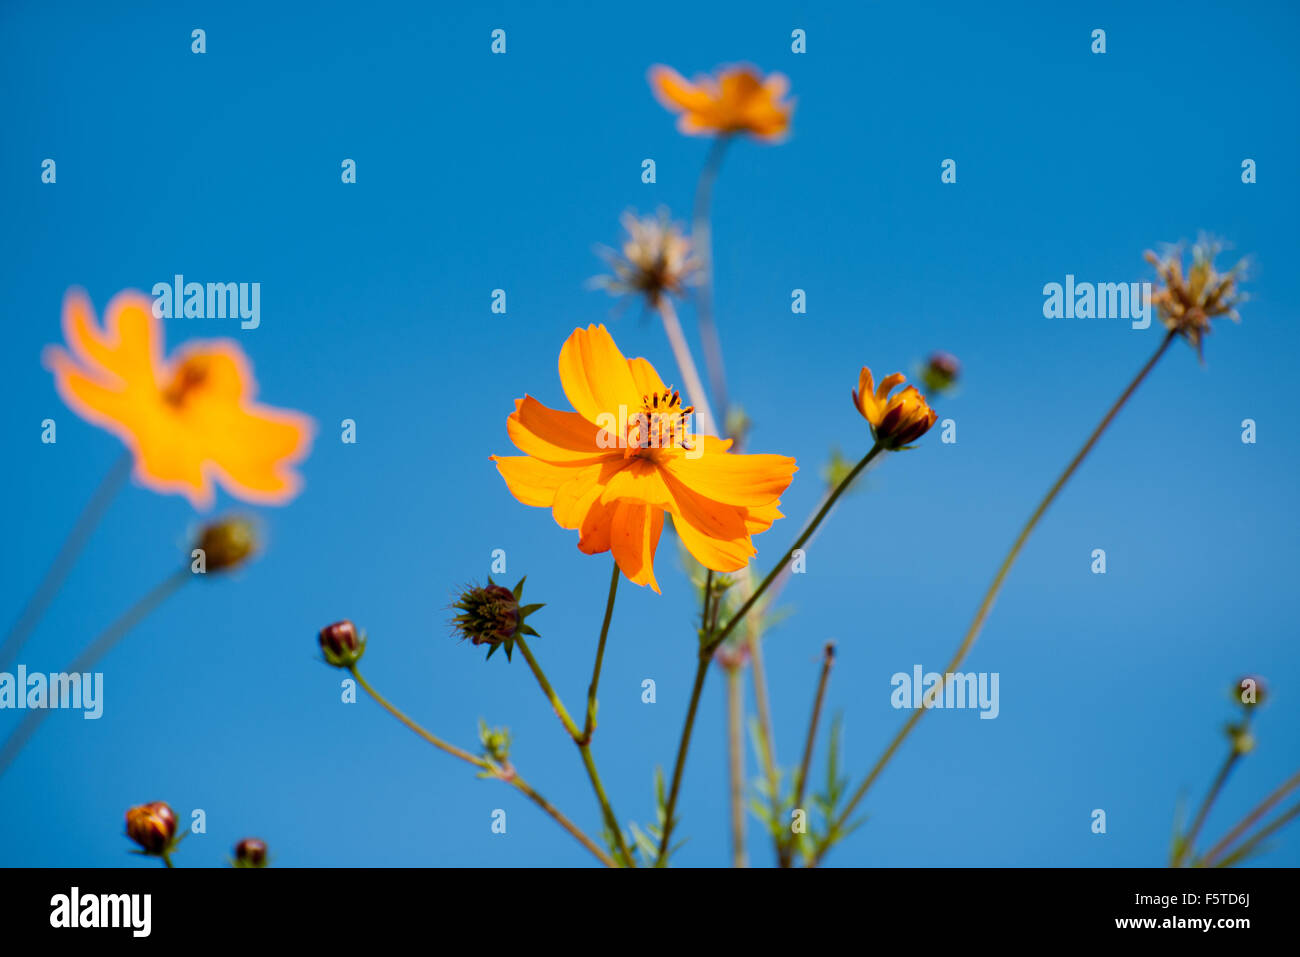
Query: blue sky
478	172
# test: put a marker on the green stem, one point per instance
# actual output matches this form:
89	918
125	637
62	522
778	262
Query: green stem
561	712
753	637
525	788
96	650
736	763
1287	786
785	847
584	747
799	543
683	746
711	643
508	775
708	624
167	859
986	604
590	726
428	736
1188	842
66	558
1276	825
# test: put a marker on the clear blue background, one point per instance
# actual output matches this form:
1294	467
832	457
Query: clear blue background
478	171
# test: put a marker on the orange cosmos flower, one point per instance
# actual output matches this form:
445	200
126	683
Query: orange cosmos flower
737	99
188	420
895	420
614	467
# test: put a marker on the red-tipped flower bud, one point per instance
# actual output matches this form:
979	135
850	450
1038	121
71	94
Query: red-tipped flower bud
250	852
342	644
941	372
152	826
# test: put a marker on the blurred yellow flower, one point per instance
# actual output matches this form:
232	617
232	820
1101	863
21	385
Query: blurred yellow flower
614	467
736	99
895	420
189	420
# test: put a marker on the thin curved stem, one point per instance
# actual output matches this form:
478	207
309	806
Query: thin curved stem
711	643
1266	831
702	241
58	571
807	533
708	623
1189	841
428	736
762	705
525	788
96	650
589	727
701	671
560	710
584	747
736	763
1287	786
986	605
508	775
786	846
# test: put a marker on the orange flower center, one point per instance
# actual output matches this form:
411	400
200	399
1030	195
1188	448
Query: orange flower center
661	424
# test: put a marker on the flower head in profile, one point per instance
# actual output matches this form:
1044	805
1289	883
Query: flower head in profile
250	852
614	467
342	644
656	260
227	543
153	827
1250	691
735	99
897	420
189	420
1187	302
491	615
940	372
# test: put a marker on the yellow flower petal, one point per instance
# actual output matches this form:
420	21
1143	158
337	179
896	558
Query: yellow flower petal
553	436
634	535
595	375
749	480
531	480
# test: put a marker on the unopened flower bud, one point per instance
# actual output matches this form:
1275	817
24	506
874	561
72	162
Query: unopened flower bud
1250	691
250	852
342	644
495	741
1243	742
940	372
227	543
152	826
